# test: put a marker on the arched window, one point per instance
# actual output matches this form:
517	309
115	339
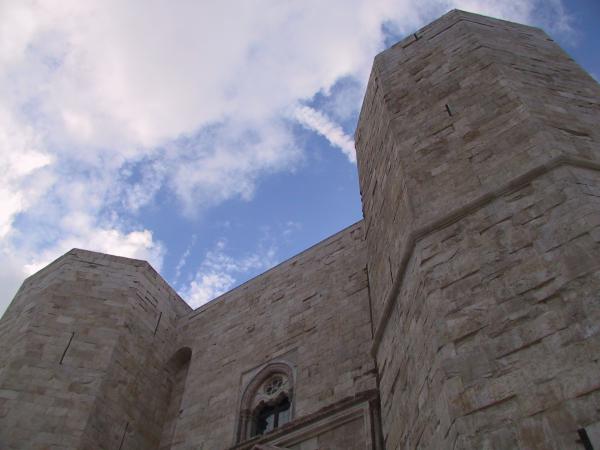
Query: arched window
267	401
272	405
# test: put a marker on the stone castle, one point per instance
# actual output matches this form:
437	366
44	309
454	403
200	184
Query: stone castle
463	312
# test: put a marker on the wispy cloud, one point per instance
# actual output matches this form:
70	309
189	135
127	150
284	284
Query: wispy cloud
21	159
143	188
220	271
183	259
290	228
226	160
318	122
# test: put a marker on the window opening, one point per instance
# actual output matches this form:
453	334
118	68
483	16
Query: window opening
270	417
267	402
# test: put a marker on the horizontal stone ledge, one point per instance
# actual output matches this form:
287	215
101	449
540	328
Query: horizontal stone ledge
333	415
458	214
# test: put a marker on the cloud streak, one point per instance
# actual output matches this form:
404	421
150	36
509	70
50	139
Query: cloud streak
318	122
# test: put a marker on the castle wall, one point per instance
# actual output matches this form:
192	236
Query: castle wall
100	353
477	152
499	317
461	313
312	312
83	366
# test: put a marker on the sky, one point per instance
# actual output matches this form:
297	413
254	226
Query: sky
212	139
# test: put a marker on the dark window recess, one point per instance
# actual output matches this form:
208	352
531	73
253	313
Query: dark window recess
270	417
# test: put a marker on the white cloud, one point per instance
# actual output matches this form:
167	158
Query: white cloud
226	161
12	273
290	228
183	259
343	103
142	191
20	161
207	286
191	95
321	124
219	272
137	244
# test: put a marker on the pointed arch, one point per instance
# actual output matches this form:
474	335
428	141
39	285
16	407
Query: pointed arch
267	401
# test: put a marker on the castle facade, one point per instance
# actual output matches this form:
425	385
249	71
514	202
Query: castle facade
463	312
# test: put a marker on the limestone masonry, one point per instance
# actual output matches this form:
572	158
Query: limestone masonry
463	312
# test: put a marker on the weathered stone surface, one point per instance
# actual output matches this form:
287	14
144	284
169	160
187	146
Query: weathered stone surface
267	447
311	311
478	159
83	356
88	347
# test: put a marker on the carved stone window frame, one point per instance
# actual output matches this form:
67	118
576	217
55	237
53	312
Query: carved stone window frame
247	408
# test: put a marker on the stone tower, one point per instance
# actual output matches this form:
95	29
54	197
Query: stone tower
462	312
478	152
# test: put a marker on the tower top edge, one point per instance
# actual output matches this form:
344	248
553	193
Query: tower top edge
447	20
81	256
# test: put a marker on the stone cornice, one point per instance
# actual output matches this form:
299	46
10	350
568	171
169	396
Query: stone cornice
458	214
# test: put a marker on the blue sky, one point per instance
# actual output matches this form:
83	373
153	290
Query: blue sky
214	145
